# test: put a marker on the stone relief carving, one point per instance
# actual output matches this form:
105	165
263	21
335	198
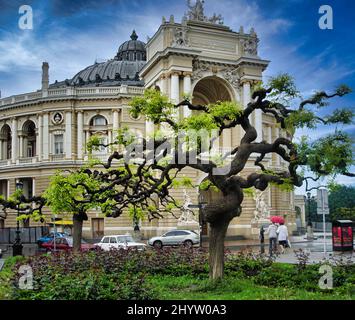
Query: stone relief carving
262	210
231	75
187	216
250	46
199	70
180	37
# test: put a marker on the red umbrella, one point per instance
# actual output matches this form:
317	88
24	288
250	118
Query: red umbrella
277	219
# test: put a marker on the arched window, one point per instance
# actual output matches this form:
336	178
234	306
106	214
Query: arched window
29	139
98	121
5	144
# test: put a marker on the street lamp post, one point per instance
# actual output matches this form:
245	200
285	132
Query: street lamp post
17	246
309	220
201	204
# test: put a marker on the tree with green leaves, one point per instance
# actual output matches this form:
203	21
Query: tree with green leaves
75	193
160	158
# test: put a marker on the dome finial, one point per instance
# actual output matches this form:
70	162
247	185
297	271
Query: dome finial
134	35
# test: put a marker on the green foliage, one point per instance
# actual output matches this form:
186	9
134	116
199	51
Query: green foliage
155	106
300	119
226	110
329	155
343	116
283	88
342	202
184	182
68	193
344	214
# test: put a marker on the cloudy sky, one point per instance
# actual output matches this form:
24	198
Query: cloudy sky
71	35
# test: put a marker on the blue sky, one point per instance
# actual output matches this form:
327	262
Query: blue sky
71	35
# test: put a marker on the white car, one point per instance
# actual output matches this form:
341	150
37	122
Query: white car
119	242
174	238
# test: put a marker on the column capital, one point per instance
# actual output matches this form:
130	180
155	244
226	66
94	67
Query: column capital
250	81
187	73
174	73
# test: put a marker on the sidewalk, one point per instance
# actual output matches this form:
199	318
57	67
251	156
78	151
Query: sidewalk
315	257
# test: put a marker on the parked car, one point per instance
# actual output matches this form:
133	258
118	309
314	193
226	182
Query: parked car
175	238
49	237
66	244
119	242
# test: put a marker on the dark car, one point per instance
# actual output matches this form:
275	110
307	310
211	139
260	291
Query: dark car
49	237
66	244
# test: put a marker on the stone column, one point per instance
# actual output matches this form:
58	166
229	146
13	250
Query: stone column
175	91
14	138
278	158
45	136
80	134
269	133
68	134
187	91
1	152
115	121
164	84
21	146
258	123
39	138
246	93
175	88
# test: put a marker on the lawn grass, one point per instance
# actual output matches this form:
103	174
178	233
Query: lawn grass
231	288
5	277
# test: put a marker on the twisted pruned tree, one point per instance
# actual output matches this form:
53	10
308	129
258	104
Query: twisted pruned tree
158	159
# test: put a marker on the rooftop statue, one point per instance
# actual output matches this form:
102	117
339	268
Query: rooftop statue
196	13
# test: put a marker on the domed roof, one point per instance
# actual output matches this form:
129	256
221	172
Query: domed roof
132	49
123	69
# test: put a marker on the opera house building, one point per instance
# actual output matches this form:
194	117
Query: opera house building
46	130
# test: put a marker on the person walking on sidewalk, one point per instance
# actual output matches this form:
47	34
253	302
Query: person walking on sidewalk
272	232
282	237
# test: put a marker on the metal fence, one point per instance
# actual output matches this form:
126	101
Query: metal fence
28	235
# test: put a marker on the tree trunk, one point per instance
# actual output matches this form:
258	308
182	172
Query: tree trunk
218	232
77	232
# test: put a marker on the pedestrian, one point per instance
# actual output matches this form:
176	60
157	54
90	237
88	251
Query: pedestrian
282	236
272	232
262	239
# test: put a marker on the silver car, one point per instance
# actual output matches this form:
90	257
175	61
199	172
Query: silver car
174	238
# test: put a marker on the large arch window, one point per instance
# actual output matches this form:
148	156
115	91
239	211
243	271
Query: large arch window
29	139
210	90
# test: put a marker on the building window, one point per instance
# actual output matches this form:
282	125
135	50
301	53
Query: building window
27	187
58	144
99	121
29	139
3	188
5	143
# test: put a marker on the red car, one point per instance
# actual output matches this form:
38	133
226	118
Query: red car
66	244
